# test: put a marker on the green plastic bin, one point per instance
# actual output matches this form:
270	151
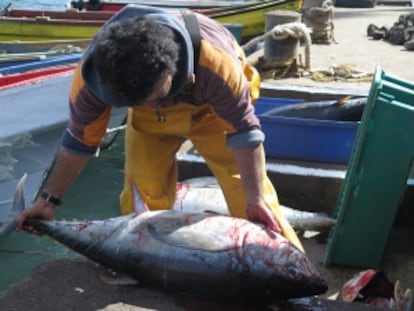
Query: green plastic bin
377	175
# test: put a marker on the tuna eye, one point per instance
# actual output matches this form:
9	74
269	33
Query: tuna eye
293	269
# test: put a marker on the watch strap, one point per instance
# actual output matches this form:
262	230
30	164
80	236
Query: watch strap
50	198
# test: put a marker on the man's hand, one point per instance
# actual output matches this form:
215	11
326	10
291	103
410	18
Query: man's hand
40	210
262	214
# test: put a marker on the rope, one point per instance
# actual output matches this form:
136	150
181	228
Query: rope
65	49
280	32
318	14
320	20
279	71
341	72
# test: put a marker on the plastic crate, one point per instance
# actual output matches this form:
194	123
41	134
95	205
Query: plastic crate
377	175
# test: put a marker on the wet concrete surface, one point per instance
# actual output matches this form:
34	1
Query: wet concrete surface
77	284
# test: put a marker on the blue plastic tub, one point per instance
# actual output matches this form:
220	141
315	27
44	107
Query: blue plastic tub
326	141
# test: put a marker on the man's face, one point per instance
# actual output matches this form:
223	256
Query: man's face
159	97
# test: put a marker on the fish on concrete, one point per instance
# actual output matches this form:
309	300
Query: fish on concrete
372	287
203	194
199	254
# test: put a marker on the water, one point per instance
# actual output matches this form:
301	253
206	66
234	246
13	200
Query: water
94	195
33	4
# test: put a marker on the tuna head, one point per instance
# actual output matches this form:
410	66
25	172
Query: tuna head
286	271
273	265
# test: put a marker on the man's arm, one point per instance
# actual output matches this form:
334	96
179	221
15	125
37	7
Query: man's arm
251	163
66	169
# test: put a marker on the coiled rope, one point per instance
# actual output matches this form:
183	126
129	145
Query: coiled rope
320	20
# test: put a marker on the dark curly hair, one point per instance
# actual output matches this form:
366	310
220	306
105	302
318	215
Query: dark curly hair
130	56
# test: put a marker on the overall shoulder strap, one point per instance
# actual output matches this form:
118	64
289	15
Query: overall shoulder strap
191	23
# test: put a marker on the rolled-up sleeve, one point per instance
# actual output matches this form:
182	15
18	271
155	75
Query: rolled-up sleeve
245	139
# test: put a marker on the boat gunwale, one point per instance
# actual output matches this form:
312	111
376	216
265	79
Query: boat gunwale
184	4
81	15
251	6
52	21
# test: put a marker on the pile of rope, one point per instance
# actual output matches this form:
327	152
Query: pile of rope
320	20
341	72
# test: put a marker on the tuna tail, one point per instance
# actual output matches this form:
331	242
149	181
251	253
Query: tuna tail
303	220
18	207
140	206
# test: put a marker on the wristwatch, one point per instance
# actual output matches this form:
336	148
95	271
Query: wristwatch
50	198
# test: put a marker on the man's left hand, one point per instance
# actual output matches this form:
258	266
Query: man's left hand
262	214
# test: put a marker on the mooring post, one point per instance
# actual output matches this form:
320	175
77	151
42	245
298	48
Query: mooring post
280	51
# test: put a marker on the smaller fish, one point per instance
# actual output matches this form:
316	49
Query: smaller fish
203	194
337	110
373	288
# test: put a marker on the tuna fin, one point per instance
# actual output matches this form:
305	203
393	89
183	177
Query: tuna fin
140	206
18	207
342	100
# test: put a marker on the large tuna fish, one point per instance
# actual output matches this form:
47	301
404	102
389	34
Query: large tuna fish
201	254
